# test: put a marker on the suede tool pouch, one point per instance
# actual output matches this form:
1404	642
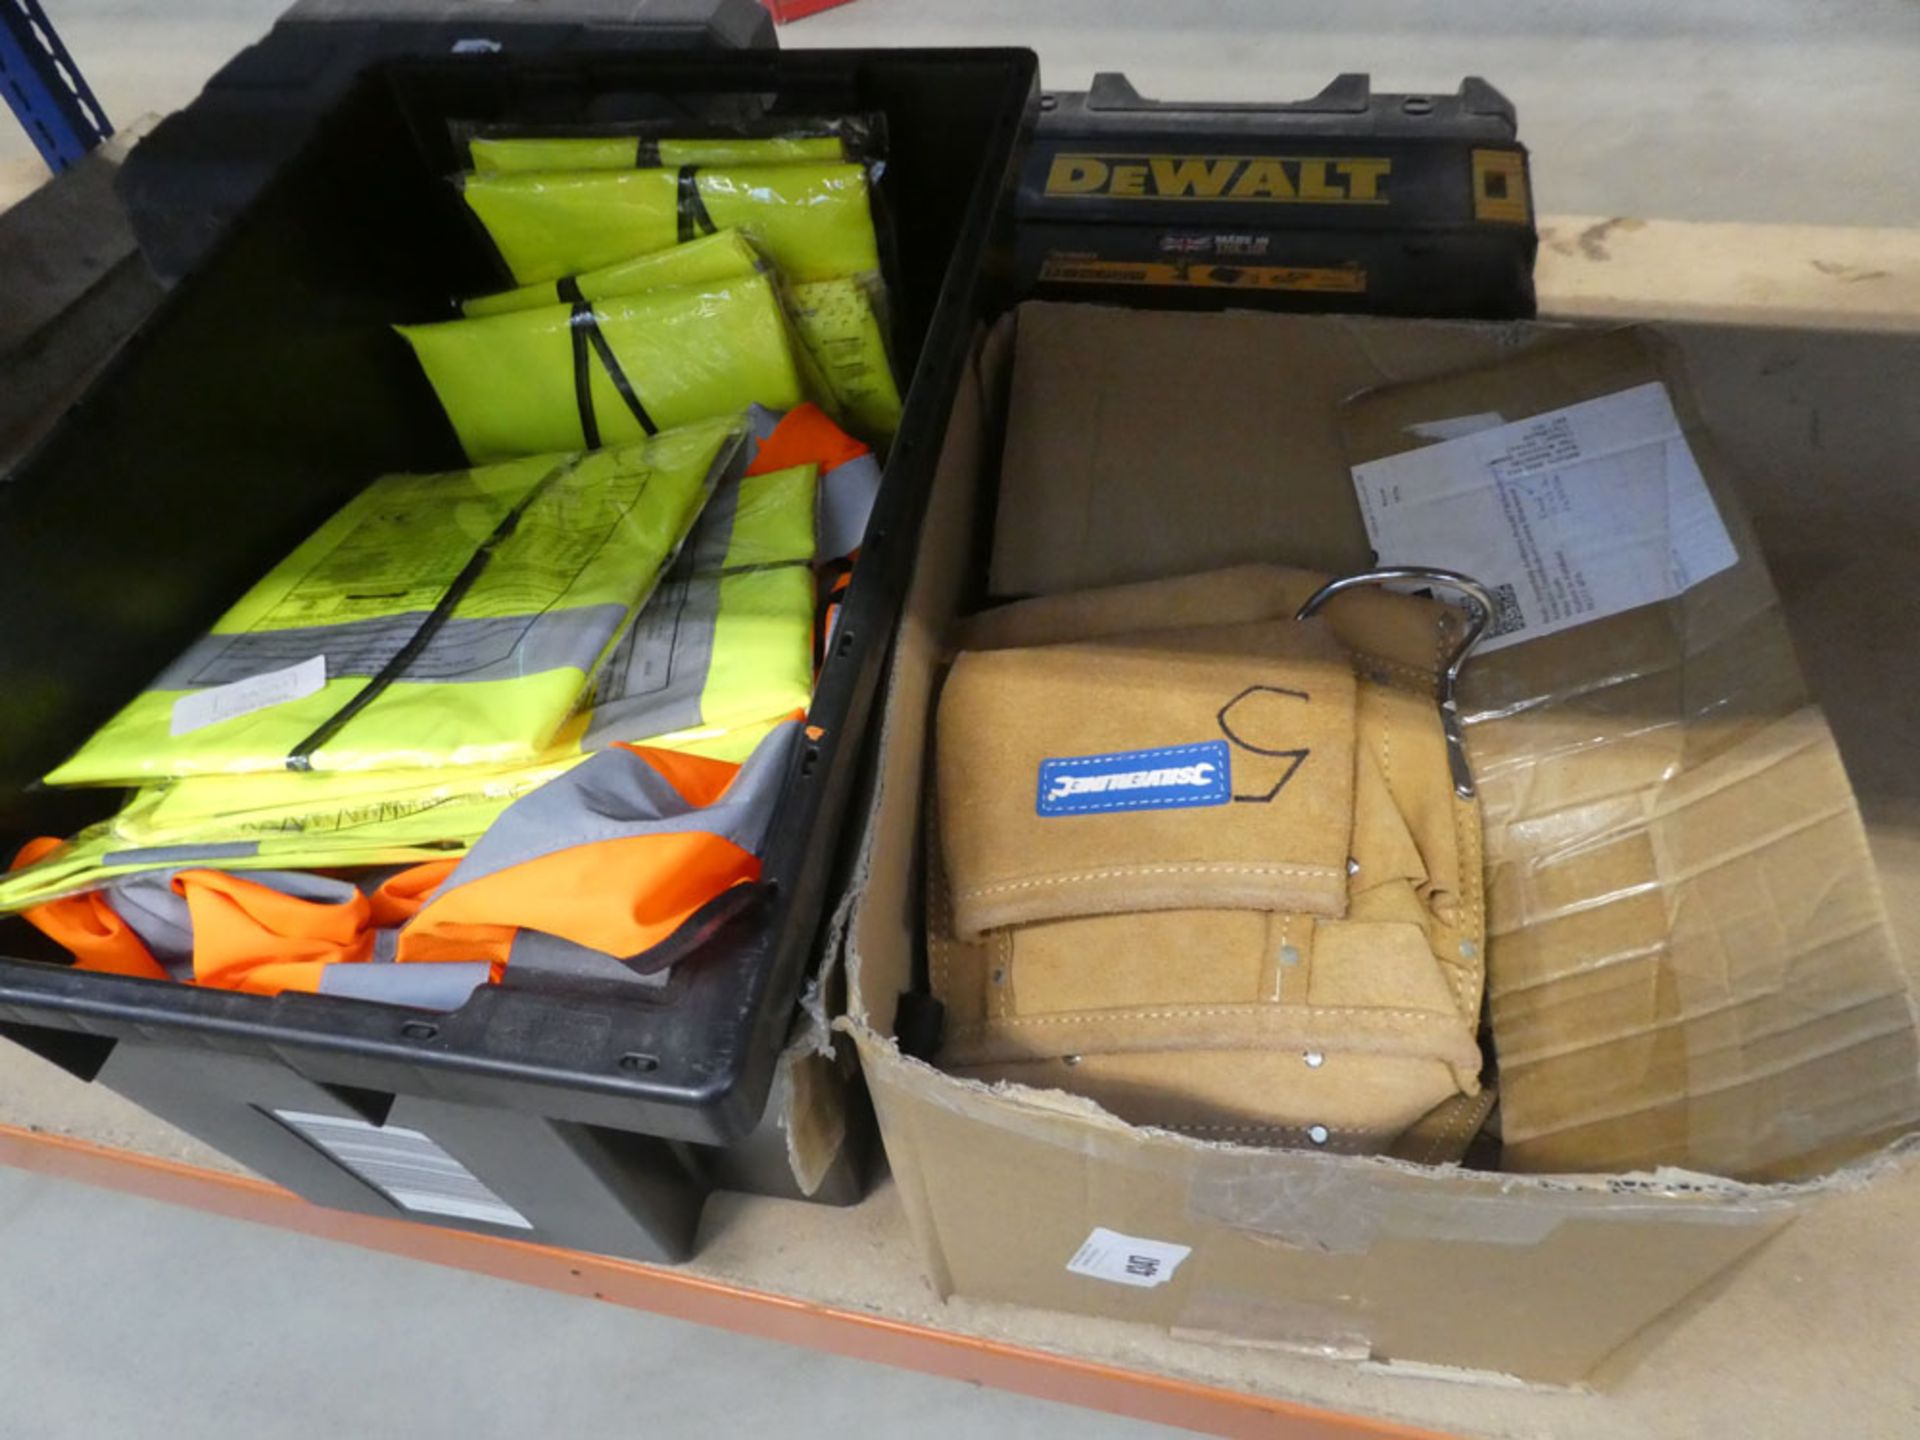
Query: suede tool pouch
1198	768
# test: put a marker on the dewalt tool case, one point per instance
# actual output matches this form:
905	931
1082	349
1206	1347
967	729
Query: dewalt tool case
1391	204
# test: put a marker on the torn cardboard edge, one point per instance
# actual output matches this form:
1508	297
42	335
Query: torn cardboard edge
1032	1113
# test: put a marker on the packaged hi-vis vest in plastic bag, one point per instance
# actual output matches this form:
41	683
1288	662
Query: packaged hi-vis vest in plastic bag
448	619
722	653
570	377
516	153
725	648
724	255
837	322
834	319
1216	867
811	220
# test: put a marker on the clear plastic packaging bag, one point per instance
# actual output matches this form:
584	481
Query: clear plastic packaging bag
814	221
571	377
449	619
711	260
651	144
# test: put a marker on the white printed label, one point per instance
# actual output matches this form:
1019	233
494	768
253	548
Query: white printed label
406	1166
242	697
1127	1259
1567	517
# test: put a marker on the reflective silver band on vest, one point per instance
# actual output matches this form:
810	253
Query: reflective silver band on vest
847	493
185	855
616	794
504	648
441	985
655	679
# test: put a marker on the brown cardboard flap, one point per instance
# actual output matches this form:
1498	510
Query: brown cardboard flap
1689	962
1337	1254
1210	447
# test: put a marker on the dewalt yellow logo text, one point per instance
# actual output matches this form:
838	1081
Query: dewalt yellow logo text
1301	180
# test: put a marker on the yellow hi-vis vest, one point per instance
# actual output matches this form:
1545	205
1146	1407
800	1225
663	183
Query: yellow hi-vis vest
721	655
497	155
724	650
449	619
97	855
834	319
812	221
435	808
724	255
530	382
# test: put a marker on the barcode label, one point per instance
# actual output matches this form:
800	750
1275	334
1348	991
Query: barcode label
1507	618
406	1166
1127	1259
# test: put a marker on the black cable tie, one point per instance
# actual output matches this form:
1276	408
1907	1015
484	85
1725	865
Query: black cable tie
586	331
578	324
690	210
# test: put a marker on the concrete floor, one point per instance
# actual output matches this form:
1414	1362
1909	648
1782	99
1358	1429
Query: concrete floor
126	1317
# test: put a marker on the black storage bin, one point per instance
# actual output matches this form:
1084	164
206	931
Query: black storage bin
266	391
183	184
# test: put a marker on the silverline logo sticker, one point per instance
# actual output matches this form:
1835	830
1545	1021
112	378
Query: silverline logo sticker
1170	778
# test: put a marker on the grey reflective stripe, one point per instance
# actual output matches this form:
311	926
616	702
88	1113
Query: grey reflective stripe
439	985
534	953
656	679
148	905
503	648
182	854
762	422
712	537
653	682
386	946
847	493
305	885
616	794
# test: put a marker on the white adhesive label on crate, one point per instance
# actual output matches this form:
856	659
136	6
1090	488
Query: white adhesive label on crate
242	697
1127	1259
407	1166
1567	517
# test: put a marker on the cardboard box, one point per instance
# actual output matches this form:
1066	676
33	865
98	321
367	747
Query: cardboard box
1764	1031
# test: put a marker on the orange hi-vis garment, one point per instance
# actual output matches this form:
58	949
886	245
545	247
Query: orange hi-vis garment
613	870
614	857
849	473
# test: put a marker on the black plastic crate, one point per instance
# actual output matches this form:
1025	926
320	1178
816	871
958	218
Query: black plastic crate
183	184
268	389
